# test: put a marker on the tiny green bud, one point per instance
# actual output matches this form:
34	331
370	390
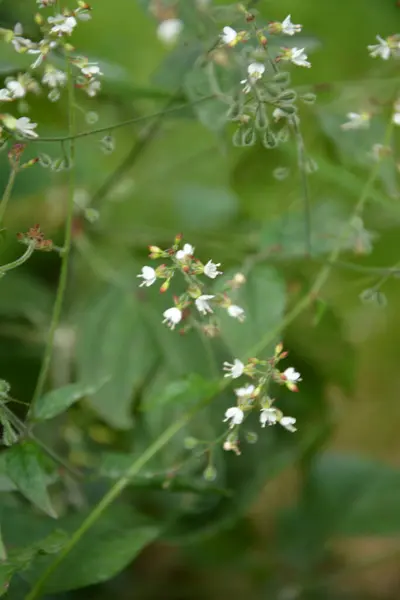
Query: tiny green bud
210	473
251	437
190	443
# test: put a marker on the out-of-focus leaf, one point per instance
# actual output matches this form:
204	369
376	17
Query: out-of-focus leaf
24	296
57	401
114	342
24	468
202	206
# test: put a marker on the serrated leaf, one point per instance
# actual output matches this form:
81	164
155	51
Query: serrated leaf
24	468
58	401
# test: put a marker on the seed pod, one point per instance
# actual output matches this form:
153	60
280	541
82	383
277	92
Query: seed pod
45	160
269	139
261	119
107	144
283	135
249	136
237	138
288	96
288	109
234	111
283	78
308	98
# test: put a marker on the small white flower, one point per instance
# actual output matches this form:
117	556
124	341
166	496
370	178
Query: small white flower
278	114
396	118
172	316
255	71
20	43
297	56
148	275
92	87
62	24
235	415
288	423
292	375
5	95
203	305
356	121
188	250
268	416
382	49
229	36
235	370
236	312
211	269
168	31
25	127
16	89
91	69
54	77
290	28
244	392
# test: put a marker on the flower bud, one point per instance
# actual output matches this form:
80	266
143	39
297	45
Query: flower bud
155	252
210	473
165	286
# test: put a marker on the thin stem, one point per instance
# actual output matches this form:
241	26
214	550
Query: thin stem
82	134
19	261
301	153
7	192
62	283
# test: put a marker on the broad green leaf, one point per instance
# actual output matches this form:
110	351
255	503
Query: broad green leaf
263	298
24	468
25	296
114	342
203	206
58	401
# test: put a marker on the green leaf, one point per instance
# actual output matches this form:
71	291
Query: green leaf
24	296
263	298
58	401
114	342
24	468
205	206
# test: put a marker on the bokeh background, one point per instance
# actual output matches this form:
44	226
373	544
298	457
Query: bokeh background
315	515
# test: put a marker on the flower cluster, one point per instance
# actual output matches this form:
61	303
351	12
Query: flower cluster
182	259
56	31
35	236
254	395
386	48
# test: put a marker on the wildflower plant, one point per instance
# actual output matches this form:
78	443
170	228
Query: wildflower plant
239	86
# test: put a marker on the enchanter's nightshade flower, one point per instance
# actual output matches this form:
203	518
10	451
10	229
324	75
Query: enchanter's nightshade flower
188	250
278	114
16	89
62	24
91	70
93	86
172	316
148	275
236	312
245	392
54	77
235	370
211	270
229	36
356	121
202	304
255	71
41	49
290	28
268	416
382	49
235	415
288	423
20	43
295	55
292	375
168	31
25	127
396	118
5	95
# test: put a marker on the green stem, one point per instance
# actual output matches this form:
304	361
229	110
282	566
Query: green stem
62	283
7	193
19	261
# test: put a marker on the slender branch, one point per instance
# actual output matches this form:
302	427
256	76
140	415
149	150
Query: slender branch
7	192
19	261
82	134
62	283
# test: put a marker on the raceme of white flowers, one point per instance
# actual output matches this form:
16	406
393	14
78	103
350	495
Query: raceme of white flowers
56	30
196	302
255	396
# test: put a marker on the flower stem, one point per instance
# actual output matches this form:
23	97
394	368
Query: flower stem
62	283
19	261
7	193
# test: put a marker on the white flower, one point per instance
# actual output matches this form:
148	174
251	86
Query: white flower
396	118
92	87
235	370
91	69
148	275
290	28
25	127
288	423
235	415
229	36
20	43
54	77
278	114
5	95
202	304
292	375
382	49
188	250
210	269
236	312
255	71
356	121
62	24
268	416
172	316
245	392
16	89
297	56
168	31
